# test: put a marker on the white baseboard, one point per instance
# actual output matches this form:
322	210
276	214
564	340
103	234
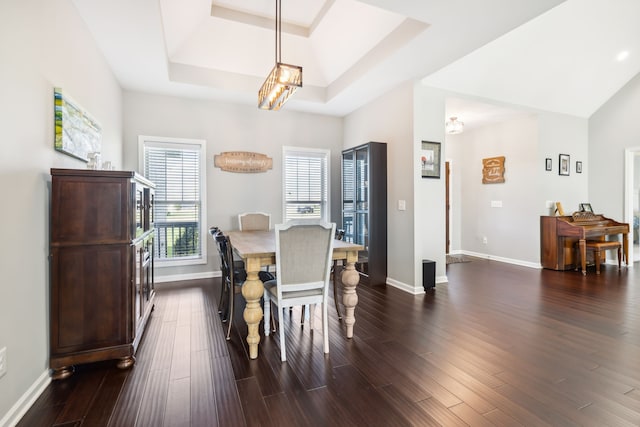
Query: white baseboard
25	402
501	259
413	290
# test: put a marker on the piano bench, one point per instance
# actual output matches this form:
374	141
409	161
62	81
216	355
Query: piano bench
598	246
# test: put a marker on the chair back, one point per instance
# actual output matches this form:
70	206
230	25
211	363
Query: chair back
304	250
254	221
226	265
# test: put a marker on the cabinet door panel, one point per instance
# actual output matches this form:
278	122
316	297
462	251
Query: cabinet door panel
90	297
104	216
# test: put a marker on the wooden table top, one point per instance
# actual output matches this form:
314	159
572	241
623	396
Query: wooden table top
263	243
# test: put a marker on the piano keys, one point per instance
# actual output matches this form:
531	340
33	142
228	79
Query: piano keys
559	235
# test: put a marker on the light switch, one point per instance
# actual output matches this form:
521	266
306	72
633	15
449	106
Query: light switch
402	205
496	203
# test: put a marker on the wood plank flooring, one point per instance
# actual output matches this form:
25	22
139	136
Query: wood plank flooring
499	345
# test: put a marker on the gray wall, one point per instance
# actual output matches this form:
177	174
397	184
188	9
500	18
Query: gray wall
42	44
390	119
525	140
612	129
232	127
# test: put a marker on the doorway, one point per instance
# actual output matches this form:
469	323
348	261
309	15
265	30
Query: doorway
447	206
632	199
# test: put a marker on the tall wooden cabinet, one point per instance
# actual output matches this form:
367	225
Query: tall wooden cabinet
102	284
364	207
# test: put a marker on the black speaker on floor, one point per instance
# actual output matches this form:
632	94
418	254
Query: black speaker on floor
428	274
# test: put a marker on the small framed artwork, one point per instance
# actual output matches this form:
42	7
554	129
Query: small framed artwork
585	207
563	164
430	159
578	167
547	164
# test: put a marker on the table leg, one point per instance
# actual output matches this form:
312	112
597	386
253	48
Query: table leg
625	247
252	291
350	279
583	255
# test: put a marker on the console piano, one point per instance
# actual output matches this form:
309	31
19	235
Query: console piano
559	234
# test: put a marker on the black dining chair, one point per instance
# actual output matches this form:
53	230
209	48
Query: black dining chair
233	276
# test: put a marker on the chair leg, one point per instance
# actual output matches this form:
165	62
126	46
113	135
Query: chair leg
596	254
231	302
267	313
312	315
619	258
283	350
325	327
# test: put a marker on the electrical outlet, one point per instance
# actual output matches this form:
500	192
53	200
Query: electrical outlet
484	240
3	361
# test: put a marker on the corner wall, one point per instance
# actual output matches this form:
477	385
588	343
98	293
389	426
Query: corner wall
612	129
389	119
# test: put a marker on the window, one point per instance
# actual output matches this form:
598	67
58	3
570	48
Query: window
175	167
306	183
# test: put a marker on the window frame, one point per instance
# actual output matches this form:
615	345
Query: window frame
288	151
180	143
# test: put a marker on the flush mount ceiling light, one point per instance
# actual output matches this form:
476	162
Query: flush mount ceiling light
453	126
284	79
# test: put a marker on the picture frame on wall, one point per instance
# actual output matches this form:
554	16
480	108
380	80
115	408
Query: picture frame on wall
430	159
578	167
564	162
547	164
77	134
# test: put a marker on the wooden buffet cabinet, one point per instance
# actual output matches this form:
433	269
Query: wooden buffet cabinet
102	280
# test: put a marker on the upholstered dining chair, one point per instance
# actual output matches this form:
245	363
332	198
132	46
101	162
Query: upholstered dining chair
304	250
254	221
232	279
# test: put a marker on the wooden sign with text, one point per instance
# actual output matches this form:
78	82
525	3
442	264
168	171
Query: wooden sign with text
493	170
242	162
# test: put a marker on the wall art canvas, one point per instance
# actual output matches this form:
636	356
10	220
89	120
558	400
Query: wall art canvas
77	133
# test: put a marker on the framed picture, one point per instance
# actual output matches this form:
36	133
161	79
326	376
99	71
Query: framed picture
430	159
563	164
578	167
547	164
586	207
77	134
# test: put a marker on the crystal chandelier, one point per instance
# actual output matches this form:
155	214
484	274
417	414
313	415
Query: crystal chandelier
453	126
284	79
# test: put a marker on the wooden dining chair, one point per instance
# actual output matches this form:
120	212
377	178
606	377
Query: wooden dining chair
304	250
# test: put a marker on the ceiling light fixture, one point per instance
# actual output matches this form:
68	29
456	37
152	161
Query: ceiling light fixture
454	126
622	55
284	79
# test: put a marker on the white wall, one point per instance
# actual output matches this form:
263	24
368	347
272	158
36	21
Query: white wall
390	119
42	44
429	193
526	139
517	141
232	127
612	129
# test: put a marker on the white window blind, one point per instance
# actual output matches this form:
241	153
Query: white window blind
175	168
305	183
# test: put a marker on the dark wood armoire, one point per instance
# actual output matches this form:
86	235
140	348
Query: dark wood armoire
101	254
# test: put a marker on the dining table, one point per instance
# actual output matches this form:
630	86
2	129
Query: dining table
258	249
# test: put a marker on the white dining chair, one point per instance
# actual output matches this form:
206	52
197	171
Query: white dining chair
254	221
303	259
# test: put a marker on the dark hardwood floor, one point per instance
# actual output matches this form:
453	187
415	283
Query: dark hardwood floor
498	345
